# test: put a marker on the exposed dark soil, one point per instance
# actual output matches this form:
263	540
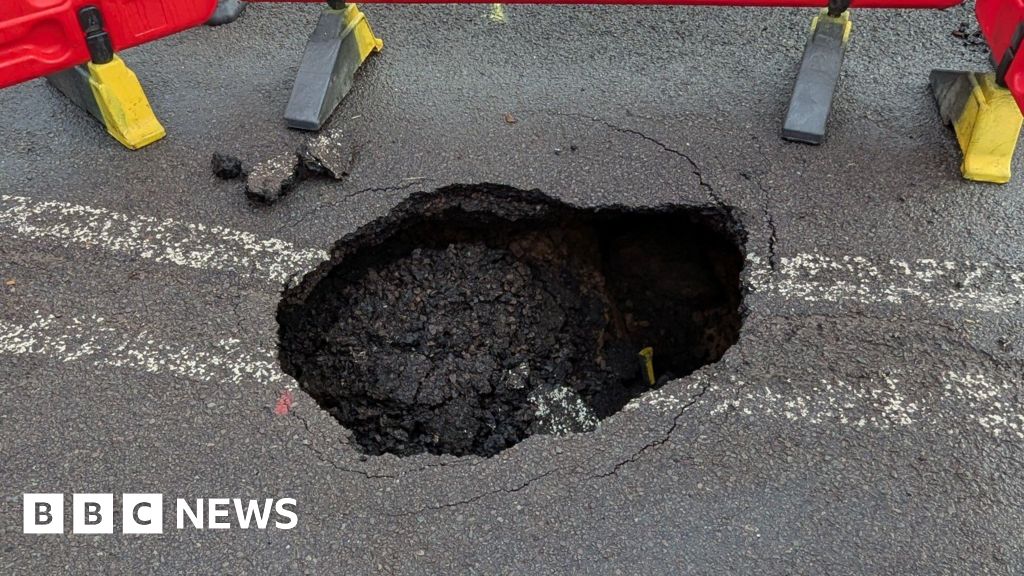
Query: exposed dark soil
470	318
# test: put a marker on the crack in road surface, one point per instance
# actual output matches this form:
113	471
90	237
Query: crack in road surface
695	168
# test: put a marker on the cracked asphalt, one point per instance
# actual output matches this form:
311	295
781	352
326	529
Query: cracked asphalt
866	422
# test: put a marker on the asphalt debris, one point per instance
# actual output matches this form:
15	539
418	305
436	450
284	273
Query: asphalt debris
268	181
226	166
324	155
970	36
327	154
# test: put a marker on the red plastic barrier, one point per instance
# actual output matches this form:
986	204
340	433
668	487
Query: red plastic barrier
933	4
1002	24
39	37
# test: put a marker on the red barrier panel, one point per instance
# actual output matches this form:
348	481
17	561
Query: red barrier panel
1002	24
40	37
932	4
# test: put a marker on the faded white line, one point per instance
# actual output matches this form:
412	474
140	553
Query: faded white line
813	278
160	240
894	398
91	341
957	285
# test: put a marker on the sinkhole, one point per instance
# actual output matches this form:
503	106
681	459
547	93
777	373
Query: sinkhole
472	317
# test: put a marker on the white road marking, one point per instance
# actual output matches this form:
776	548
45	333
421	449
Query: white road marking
958	285
160	240
880	403
91	341
981	286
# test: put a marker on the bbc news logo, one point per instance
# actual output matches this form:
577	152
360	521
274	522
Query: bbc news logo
144	514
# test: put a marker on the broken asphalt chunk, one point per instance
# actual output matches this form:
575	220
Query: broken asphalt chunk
226	166
321	155
271	179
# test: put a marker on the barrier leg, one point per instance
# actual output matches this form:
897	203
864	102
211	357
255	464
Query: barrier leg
339	44
985	119
811	102
108	90
227	11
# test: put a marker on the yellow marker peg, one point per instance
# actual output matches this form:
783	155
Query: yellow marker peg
647	365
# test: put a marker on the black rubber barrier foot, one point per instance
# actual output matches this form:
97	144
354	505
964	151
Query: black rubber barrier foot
74	84
227	11
811	103
337	47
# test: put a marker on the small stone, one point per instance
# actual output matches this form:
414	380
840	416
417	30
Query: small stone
225	166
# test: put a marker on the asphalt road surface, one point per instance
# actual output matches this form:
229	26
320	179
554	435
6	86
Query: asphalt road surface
866	422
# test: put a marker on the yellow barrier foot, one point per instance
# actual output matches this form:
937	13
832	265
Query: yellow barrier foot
985	118
337	47
111	93
108	89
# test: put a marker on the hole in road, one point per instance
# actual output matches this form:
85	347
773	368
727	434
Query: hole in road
468	319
